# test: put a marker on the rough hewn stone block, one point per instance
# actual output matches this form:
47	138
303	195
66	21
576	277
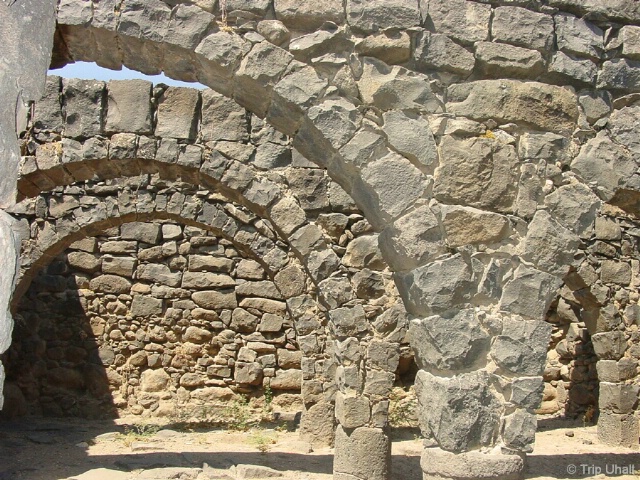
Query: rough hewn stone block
178	113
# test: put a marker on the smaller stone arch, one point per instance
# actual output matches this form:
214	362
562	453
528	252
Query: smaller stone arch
344	320
240	228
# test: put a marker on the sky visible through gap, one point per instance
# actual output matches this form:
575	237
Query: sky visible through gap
91	71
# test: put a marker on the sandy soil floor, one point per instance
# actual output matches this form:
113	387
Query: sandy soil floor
46	449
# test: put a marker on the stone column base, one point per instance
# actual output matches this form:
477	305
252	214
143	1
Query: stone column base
439	464
361	453
317	425
618	429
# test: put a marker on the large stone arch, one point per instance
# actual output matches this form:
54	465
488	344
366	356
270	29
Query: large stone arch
64	162
528	104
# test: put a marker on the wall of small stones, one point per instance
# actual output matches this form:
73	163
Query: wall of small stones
571	384
480	139
595	349
142	291
175	317
571	379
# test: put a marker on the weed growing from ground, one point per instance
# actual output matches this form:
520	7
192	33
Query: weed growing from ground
138	432
238	415
263	440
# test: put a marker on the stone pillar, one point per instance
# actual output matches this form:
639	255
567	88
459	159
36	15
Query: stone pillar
365	375
617	424
479	383
26	32
10	249
317	425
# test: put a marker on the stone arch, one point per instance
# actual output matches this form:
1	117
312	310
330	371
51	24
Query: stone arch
43	247
531	280
242	235
64	162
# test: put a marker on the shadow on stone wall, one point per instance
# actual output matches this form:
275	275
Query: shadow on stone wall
54	366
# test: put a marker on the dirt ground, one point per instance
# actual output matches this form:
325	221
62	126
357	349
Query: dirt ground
46	449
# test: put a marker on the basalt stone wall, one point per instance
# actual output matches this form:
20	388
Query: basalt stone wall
176	318
571	379
481	139
594	350
334	258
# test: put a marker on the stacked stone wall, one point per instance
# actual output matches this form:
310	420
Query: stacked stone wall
359	284
176	317
58	153
482	140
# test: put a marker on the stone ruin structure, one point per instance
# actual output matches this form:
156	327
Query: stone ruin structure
447	173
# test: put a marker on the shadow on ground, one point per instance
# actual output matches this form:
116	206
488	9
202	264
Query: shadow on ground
45	449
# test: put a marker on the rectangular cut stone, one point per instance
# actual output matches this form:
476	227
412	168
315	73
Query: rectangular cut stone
579	36
465	21
308	16
620	74
529	292
257	7
141	231
618	429
121	147
178	113
291	96
548	107
179	65
222	118
259	71
388	187
147	19
48	110
437	287
146	148
522	346
71	12
492	166
219	55
204	280
373	15
129	106
435	51
187	26
499	60
104	16
141	55
617	398
615	9
630	36
396	88
80	43
123	266
190	156
107	54
565	69
521	27
352	412
83	101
